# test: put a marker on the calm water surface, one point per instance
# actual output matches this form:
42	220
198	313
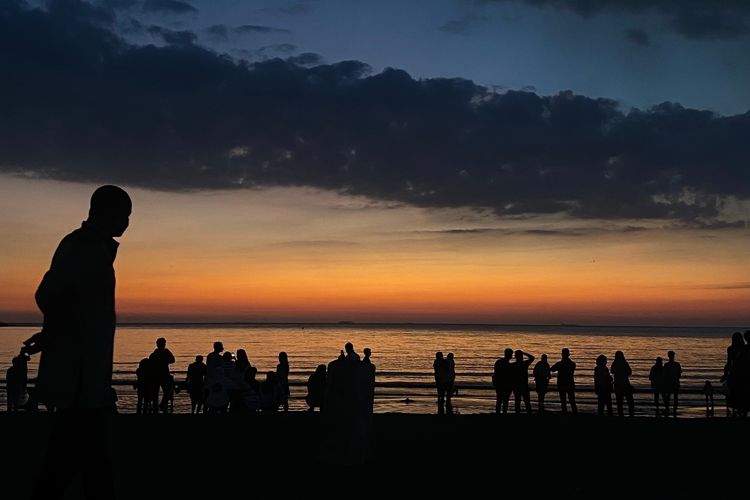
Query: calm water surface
404	355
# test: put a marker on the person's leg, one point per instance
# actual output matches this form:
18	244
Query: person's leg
674	412
441	399
97	477
527	400
619	395
498	401
600	405
609	405
58	467
517	400
506	400
656	401
572	397
631	404
563	401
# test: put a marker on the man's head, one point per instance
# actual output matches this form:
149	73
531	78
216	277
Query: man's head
349	347
565	353
670	355
508	353
161	342
218	347
110	210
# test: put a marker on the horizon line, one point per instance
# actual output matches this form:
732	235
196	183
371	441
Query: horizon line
377	323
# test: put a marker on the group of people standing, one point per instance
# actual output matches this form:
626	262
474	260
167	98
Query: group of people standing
227	382
511	377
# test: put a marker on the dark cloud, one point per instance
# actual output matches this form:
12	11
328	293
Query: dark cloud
306	59
254	28
83	105
275	50
292	9
168	6
638	37
118	4
218	31
724	286
699	19
467	25
571	232
173	37
78	11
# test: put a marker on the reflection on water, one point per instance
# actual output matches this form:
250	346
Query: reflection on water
404	355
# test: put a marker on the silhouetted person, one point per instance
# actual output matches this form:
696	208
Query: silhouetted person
542	376
566	384
282	374
603	386
502	381
160	359
656	377
270	392
440	366
672	373
350	354
708	393
520	373
737	375
316	388
214	360
195	381
113	400
77	298
16	379
623	389
144	387
369	379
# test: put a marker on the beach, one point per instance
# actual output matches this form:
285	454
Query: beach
241	456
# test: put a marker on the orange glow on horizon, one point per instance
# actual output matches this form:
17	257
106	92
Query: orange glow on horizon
289	255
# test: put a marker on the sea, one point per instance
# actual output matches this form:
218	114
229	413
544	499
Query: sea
404	353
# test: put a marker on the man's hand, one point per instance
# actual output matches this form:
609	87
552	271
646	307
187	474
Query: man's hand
33	344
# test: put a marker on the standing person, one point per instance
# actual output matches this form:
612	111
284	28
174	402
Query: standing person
542	376
144	387
450	381
160	360
282	375
623	388
603	386
501	381
672	373
369	379
195	381
440	366
350	354
520	372
656	377
16	379
566	384
316	388
77	298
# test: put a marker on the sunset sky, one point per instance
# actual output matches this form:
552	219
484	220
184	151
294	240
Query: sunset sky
555	161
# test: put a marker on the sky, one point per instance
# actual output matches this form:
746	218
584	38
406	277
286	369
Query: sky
509	161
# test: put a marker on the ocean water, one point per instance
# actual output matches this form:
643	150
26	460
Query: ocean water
403	355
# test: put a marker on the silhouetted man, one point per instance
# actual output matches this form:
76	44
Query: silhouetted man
672	373
566	384
520	374
160	359
77	298
502	381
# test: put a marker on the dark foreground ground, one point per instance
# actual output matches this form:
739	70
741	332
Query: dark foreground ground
246	456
